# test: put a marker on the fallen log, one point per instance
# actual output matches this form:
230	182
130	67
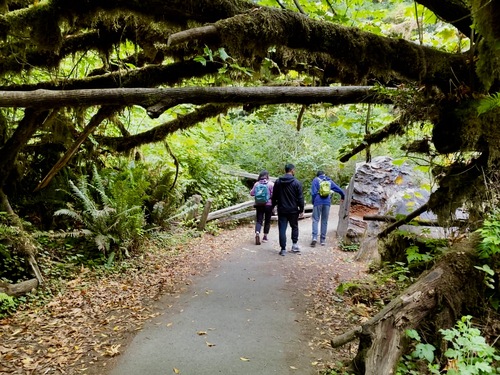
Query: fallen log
228	210
437	298
422	222
19	289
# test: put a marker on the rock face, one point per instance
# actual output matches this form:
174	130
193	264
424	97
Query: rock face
378	188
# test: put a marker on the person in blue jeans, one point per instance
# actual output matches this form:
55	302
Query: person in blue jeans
289	198
321	206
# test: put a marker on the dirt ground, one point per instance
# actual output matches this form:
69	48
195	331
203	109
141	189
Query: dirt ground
93	320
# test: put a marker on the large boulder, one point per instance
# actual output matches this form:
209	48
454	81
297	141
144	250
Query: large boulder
383	188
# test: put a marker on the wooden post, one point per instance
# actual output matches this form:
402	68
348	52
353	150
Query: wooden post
195	200
344	212
204	215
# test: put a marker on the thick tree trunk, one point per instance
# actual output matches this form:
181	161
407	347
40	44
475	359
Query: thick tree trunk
436	299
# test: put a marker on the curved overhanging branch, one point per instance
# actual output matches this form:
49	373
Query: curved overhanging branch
157	101
159	133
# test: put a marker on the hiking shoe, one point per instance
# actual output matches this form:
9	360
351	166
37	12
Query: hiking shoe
313	243
282	252
295	248
257	239
264	239
323	243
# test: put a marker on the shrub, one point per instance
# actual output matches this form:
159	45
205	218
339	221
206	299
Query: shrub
108	220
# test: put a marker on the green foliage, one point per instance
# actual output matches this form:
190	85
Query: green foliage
467	353
7	305
489	103
490	236
489	281
229	70
348	246
13	266
106	219
400	271
413	254
469	350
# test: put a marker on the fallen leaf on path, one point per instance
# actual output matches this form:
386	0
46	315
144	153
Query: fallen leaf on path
244	359
201	333
209	344
293	367
176	371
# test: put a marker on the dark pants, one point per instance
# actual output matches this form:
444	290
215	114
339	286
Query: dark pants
283	221
263	213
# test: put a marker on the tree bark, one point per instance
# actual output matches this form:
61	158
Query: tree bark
451	285
156	101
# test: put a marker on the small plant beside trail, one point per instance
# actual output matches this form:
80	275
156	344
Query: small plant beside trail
467	353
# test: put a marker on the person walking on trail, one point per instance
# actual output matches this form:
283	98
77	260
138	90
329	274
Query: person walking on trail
322	189
262	190
289	198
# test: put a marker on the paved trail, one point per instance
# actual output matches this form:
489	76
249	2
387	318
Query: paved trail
243	317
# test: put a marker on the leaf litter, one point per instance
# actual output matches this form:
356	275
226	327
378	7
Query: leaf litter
93	318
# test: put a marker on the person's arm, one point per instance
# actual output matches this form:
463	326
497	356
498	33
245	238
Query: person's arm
300	197
252	192
276	193
314	189
337	189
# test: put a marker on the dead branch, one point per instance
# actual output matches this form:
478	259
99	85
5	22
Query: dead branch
404	221
393	128
97	119
202	32
345	338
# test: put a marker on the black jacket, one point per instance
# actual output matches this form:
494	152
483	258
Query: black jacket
287	195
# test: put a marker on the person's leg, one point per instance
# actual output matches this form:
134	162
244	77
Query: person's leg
259	217
258	223
268	212
282	224
293	219
315	220
325	211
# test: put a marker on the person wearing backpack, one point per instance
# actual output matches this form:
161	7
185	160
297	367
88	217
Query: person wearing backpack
322	189
262	191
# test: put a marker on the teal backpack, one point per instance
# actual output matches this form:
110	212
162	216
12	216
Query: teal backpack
262	194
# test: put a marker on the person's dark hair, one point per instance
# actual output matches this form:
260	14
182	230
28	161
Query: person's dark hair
289	167
263	174
320	173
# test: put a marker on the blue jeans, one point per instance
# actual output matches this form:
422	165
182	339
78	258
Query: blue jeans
283	220
320	211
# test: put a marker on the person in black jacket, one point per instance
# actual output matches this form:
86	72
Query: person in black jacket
289	198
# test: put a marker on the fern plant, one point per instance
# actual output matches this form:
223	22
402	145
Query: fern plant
110	224
489	103
490	236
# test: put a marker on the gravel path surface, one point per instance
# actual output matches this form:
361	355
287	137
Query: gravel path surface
250	314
